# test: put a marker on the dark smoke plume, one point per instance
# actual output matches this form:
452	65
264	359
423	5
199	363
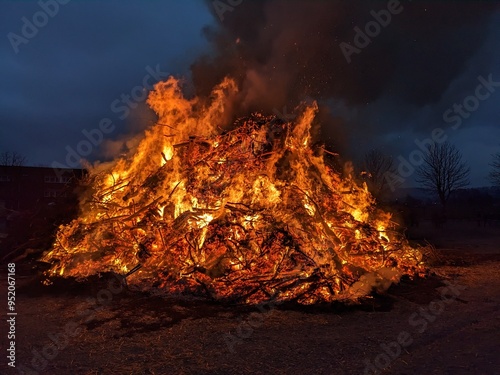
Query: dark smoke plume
282	52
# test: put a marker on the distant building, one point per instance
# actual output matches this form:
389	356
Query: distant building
22	188
25	188
3	219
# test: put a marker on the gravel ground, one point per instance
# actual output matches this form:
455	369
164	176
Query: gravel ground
418	327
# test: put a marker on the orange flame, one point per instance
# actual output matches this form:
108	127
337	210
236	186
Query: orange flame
252	213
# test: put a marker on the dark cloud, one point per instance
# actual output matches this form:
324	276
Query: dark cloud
280	52
289	50
392	93
66	77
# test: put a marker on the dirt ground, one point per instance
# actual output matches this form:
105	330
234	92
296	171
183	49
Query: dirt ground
418	327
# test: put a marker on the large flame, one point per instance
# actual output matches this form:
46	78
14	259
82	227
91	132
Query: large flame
252	214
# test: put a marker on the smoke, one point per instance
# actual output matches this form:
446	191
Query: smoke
283	52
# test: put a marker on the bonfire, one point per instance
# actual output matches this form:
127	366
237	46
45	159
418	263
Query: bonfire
248	214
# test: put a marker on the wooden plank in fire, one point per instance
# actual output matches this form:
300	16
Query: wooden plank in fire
193	139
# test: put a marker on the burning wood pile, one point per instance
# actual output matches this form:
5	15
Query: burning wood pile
245	215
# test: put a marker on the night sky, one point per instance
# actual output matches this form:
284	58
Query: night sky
396	90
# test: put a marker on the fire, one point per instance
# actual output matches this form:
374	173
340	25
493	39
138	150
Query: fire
248	214
168	153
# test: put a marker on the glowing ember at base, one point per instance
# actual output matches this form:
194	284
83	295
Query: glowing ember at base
249	214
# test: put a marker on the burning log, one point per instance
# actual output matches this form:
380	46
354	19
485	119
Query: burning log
248	214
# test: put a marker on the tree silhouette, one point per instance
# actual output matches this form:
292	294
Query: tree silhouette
376	165
443	171
12	159
495	170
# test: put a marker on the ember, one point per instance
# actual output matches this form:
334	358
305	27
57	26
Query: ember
245	215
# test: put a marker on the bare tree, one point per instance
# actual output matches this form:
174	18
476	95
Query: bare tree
13	159
376	166
443	171
495	170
